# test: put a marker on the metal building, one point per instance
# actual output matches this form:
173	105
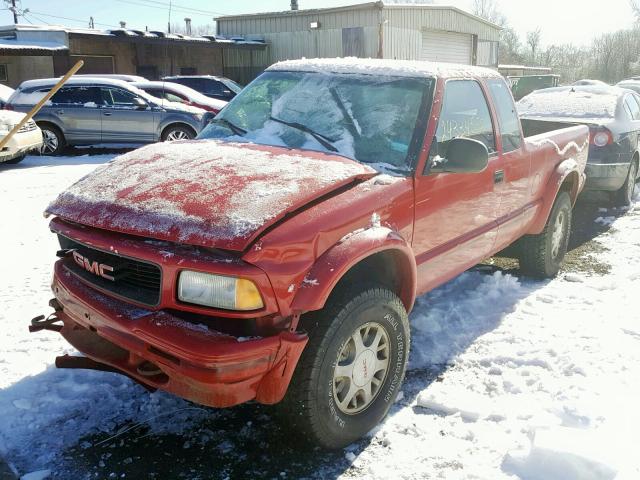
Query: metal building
374	29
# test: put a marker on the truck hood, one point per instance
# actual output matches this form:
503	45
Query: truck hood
203	192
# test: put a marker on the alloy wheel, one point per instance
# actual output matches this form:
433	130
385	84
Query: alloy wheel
177	135
361	368
50	142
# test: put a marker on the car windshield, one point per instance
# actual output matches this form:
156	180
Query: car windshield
367	118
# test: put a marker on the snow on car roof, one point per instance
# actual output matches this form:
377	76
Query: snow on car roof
572	102
49	82
374	66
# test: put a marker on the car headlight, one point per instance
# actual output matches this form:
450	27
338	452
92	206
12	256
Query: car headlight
218	291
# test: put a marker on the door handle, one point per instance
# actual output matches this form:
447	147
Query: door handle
498	176
60	112
107	114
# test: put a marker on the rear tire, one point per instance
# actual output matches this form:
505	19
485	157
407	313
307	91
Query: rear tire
53	141
352	368
15	160
624	196
177	132
541	255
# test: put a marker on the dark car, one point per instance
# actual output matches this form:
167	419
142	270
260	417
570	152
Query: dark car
613	116
220	88
89	111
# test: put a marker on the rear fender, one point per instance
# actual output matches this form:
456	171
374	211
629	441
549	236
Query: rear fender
566	177
336	262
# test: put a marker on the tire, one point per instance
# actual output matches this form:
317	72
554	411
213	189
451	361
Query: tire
319	403
15	160
53	140
177	132
624	196
541	255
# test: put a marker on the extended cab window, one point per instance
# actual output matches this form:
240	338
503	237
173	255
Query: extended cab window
507	115
465	113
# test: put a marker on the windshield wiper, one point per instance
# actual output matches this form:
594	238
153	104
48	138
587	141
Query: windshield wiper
230	125
326	142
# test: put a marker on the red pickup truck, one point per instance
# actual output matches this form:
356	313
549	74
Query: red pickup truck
277	256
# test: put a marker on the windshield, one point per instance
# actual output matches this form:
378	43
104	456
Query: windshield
370	119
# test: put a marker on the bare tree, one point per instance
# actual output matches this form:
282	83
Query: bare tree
510	47
533	41
635	7
489	10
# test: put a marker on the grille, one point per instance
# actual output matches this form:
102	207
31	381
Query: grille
133	279
28	127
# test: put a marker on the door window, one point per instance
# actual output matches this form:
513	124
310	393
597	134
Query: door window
118	98
633	107
78	96
464	114
509	120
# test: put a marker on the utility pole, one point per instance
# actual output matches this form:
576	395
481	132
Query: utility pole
91	23
15	12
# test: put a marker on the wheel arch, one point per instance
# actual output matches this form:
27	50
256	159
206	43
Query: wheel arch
381	257
566	178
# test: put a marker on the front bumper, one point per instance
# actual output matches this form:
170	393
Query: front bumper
20	144
191	361
606	176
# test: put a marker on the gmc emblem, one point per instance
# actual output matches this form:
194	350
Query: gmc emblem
94	267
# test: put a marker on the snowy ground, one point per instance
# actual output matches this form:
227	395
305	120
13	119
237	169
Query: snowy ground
509	378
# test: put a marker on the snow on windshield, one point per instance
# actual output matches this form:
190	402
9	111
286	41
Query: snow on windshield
570	103
366	118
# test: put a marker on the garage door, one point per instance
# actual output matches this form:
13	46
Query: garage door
446	47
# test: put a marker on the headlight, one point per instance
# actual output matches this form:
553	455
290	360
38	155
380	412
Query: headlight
228	293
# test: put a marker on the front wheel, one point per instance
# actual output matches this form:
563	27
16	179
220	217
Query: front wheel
53	141
352	369
624	196
542	255
177	132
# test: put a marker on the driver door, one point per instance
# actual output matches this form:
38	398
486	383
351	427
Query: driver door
124	120
456	213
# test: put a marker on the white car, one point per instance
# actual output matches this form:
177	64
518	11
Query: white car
28	138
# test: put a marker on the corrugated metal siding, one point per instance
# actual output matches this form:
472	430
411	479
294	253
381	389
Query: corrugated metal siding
290	37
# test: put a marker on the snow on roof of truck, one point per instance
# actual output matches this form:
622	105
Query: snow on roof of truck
584	102
393	68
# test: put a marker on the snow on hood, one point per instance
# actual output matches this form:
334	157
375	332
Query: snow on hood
206	193
10	117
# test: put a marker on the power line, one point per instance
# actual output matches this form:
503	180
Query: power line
182	7
70	19
173	7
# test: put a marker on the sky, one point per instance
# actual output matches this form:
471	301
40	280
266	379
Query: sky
561	21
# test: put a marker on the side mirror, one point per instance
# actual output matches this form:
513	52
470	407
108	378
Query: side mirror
140	104
464	155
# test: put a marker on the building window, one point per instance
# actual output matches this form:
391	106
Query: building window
487	53
188	71
353	42
3	73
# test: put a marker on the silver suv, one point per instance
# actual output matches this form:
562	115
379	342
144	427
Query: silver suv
90	111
